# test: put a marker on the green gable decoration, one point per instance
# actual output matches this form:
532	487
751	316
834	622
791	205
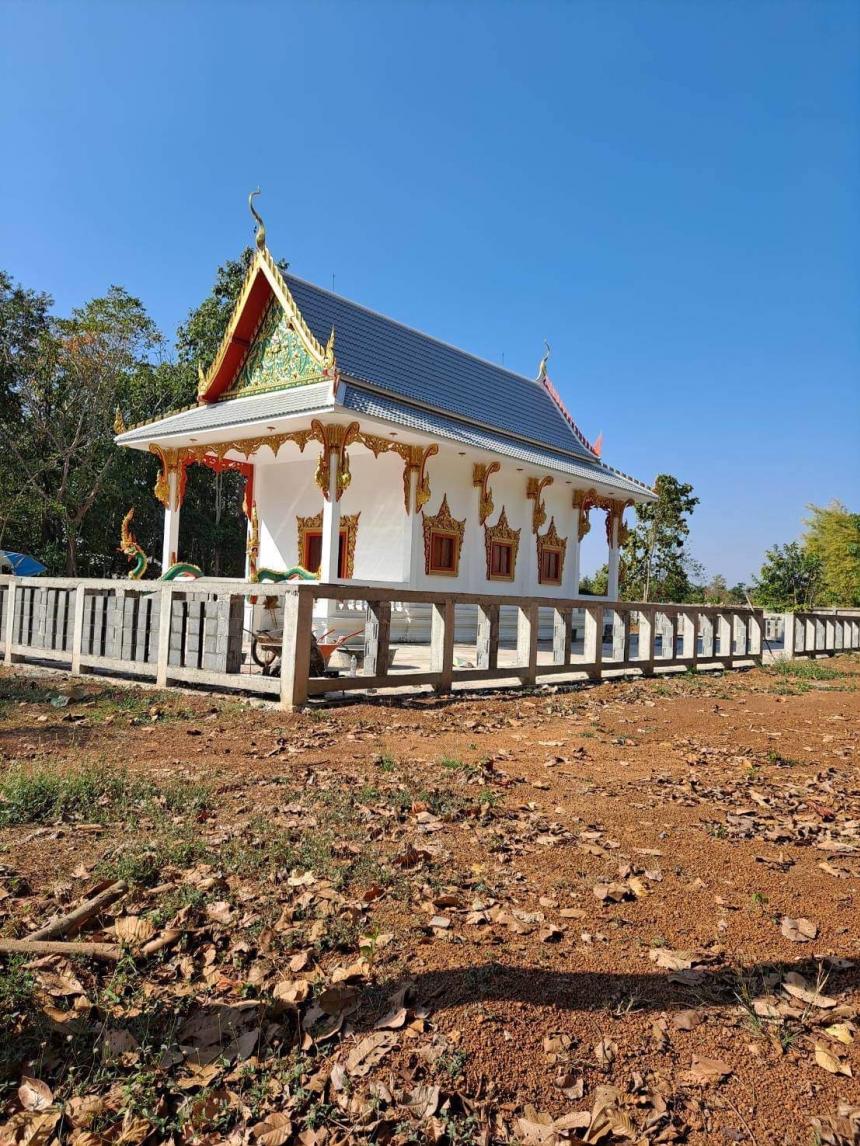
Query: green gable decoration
277	358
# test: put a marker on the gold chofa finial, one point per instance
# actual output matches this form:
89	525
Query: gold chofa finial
542	368
261	227
329	350
118	422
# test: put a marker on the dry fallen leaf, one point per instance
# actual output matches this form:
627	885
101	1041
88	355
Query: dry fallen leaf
33	1094
706	1070
842	1032
132	930
605	1052
795	984
798	930
672	960
274	1130
830	1062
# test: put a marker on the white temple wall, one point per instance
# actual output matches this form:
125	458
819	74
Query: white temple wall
376	491
286	488
283	490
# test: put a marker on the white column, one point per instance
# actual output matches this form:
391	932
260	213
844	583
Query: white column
170	543
614	561
331	526
413	545
571	571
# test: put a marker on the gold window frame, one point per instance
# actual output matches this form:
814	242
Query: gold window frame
501	533
550	542
348	525
444	524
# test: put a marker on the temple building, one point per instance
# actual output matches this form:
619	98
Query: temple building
375	454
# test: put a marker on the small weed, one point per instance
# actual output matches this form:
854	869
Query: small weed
759	901
805	670
452	1062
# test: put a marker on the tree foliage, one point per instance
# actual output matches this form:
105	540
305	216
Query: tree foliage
64	486
790	578
655	563
832	535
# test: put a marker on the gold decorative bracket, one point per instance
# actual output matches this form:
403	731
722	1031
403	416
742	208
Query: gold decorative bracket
534	492
481	475
586	500
335	439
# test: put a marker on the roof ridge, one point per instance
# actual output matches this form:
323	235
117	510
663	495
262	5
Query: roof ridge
412	329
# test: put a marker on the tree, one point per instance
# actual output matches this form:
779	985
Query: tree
655	564
833	536
718	592
790	578
597	585
56	426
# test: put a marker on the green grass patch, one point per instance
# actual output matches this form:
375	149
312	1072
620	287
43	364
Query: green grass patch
806	670
43	794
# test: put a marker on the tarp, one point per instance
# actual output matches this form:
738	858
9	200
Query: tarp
22	564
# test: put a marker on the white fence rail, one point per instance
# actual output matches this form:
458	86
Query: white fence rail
198	632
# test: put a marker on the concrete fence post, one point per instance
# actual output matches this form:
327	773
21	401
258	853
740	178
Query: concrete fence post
789	638
10	621
527	641
561	626
594	640
164	615
296	648
78	628
377	634
488	637
442	644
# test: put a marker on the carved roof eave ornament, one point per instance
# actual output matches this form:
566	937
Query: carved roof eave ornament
481	474
263	263
534	492
334	438
415	460
501	531
586	500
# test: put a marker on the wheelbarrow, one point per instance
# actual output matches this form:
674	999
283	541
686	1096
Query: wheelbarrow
266	650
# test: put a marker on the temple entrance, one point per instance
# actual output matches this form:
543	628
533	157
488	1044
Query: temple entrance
213	527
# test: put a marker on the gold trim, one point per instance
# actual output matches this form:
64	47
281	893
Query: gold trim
534	492
348	524
335	438
586	500
481	474
501	532
551	542
171	463
444	523
262	262
252	550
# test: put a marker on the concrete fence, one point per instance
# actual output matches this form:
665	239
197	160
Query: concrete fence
201	632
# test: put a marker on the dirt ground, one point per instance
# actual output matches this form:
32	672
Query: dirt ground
617	913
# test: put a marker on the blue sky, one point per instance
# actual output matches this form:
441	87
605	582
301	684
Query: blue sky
668	192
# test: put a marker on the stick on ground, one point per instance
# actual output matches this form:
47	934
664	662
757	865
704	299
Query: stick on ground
109	952
75	919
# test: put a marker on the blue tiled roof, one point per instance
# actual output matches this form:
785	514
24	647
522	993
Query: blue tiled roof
375	405
403	362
